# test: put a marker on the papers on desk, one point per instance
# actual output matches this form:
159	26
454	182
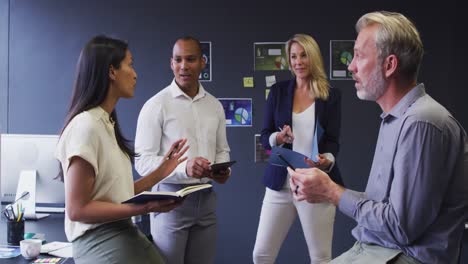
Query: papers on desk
9	251
59	249
50	260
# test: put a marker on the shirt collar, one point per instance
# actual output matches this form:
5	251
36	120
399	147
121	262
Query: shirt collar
99	113
400	108
176	91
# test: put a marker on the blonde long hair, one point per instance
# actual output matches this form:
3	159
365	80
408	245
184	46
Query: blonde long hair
319	85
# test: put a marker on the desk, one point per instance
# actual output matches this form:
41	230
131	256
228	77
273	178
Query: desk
51	226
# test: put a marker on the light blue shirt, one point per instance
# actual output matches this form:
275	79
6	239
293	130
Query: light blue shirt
416	199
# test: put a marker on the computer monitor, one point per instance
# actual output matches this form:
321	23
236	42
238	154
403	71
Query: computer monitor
31	153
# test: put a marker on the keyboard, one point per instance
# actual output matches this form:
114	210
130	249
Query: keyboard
56	210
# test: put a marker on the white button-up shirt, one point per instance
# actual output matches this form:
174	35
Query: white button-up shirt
170	115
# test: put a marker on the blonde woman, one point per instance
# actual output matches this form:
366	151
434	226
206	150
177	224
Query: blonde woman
293	111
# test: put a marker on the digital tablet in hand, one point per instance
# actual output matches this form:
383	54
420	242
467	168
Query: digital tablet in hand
222	166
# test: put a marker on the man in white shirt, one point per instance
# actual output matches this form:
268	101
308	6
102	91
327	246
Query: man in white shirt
184	110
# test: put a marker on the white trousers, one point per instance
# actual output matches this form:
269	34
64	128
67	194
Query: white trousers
279	210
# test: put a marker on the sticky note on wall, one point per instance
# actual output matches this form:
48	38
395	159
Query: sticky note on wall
248	82
270	80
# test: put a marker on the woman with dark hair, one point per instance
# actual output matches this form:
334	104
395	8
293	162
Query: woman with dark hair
96	161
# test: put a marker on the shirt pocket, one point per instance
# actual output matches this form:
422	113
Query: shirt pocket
209	130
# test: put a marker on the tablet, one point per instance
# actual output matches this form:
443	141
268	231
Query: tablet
285	161
217	167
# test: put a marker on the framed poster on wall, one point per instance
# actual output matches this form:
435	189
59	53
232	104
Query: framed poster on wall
205	75
341	55
238	111
270	56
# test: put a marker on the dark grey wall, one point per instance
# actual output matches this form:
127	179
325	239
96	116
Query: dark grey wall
45	38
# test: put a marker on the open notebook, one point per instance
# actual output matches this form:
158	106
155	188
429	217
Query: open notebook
144	197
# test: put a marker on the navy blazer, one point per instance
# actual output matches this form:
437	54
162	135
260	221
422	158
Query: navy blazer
278	112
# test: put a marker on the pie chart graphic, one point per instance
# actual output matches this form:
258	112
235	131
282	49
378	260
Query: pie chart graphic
242	115
346	58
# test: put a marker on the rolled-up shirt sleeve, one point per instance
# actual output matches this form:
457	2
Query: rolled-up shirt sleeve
148	142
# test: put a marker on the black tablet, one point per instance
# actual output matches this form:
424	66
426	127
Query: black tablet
217	167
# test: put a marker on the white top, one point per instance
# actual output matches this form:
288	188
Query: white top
303	124
171	115
90	136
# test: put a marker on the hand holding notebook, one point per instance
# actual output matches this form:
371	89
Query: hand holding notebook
145	197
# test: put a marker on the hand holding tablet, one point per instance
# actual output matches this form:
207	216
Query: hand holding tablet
217	168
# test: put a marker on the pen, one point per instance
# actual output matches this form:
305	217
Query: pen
12	215
18	211
20	217
281	130
6	214
22	213
172	152
24	194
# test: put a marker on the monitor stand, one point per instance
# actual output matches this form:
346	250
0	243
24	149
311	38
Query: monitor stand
27	183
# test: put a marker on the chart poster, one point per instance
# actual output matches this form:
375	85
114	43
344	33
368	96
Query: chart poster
238	111
261	155
341	55
205	75
270	56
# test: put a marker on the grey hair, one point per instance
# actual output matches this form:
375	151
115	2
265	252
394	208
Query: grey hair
396	35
